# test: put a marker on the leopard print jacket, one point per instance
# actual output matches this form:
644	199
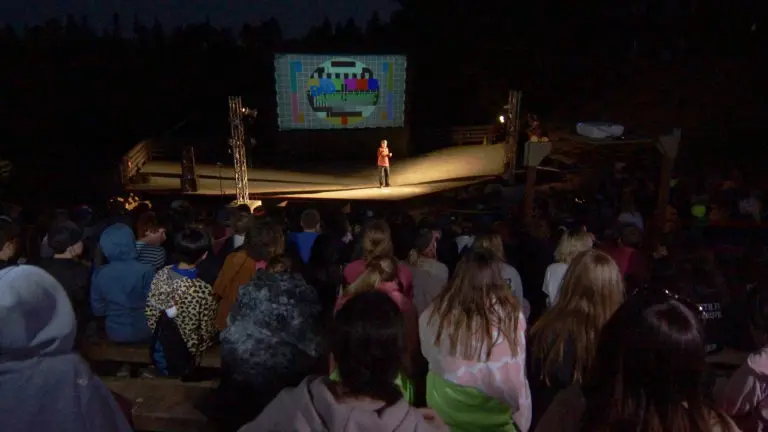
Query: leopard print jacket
195	305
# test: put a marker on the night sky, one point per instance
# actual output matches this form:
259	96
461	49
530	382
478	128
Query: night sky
295	16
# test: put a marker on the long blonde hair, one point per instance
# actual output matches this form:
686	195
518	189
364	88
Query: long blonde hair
571	245
591	292
476	305
377	240
377	271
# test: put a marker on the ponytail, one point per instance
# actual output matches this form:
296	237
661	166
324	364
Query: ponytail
377	271
368	281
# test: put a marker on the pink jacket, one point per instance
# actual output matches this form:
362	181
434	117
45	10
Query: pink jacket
311	407
745	396
355	269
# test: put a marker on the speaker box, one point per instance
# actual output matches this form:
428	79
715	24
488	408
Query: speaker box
188	174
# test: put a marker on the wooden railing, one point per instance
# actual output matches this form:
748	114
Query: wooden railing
473	135
134	160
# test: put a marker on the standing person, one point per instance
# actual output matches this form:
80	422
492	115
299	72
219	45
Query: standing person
301	242
569	246
476	353
646	375
562	344
383	161
367	343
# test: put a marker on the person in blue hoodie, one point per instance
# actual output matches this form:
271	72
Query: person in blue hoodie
120	288
301	242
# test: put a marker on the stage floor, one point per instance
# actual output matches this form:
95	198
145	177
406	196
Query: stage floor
434	172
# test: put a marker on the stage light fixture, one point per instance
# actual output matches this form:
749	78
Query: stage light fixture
501	119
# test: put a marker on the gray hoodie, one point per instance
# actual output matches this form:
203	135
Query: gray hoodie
44	386
311	407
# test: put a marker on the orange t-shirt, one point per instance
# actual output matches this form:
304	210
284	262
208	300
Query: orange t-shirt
384	157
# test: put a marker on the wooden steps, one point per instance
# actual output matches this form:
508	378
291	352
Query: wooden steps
159	404
109	351
164	404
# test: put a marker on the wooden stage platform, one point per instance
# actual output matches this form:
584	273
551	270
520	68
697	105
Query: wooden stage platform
431	173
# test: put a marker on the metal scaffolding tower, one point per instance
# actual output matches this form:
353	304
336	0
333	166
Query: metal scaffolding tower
237	141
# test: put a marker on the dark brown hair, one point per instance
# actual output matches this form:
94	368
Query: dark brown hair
147	222
367	341
264	240
310	219
648	369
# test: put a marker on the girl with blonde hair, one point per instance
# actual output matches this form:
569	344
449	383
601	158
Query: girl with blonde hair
509	274
473	336
562	344
377	242
380	272
569	246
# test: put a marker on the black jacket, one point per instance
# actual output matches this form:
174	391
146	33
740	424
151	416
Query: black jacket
75	277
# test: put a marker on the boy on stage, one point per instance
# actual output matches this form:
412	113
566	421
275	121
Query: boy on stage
383	161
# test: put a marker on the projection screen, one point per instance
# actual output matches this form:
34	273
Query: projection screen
340	91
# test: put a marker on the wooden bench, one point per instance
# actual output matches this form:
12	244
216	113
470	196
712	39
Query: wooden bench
163	404
109	351
473	135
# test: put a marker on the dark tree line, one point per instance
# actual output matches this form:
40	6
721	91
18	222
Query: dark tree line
647	63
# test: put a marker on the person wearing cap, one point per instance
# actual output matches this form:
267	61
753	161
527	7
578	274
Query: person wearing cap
66	241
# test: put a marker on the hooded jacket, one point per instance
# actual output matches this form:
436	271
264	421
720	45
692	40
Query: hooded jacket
312	407
120	288
44	386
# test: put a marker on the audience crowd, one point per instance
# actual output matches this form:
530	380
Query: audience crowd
576	319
